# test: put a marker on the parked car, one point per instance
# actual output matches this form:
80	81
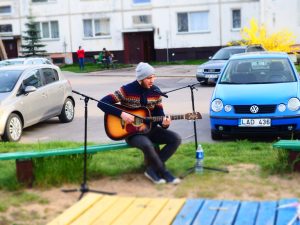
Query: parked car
257	93
30	94
25	61
209	71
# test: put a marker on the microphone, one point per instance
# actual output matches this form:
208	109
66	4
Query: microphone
156	90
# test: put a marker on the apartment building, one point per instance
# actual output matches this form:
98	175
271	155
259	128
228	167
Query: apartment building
141	30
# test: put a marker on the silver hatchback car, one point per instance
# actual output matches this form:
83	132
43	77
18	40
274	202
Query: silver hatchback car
30	94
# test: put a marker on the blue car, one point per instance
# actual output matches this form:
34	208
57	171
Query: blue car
257	93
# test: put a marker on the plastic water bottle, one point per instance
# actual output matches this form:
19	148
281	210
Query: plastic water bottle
199	159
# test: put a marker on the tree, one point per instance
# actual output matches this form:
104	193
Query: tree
32	39
283	40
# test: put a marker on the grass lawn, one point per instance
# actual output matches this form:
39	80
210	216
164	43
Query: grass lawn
257	171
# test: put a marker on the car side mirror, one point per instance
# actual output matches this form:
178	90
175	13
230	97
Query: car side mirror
29	89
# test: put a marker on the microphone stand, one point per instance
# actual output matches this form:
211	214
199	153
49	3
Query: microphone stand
192	169
84	187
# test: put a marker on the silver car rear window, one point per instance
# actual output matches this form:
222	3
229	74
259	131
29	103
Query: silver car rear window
8	79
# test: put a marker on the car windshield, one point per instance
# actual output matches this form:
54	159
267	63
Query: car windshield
258	71
225	53
8	79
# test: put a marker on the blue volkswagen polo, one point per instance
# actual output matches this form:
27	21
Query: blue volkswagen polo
257	93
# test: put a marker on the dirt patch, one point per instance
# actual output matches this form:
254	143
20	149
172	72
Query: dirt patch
242	183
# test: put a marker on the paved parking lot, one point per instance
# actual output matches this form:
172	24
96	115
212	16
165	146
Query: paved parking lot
98	84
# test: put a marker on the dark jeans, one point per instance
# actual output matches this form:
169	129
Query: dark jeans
81	63
146	142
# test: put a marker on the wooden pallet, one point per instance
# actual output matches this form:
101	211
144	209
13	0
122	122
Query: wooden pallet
96	209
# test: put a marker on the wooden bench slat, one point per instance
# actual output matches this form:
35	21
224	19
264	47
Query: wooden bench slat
76	210
151	210
288	144
267	213
92	214
247	213
227	212
109	216
60	152
169	212
132	211
285	215
189	212
207	212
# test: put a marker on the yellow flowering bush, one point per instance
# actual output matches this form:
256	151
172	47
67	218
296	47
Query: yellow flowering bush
283	40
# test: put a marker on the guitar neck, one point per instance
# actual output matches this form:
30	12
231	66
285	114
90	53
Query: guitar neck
160	118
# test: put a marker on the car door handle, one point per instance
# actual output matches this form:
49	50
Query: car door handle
44	95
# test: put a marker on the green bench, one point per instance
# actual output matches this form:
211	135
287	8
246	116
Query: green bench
293	149
24	165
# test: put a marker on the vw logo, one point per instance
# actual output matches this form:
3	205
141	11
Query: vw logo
254	109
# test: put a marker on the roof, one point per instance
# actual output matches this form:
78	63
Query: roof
24	66
262	54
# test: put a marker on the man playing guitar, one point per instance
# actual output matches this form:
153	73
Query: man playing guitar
143	93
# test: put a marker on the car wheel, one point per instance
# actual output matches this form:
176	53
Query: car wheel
13	128
67	112
216	136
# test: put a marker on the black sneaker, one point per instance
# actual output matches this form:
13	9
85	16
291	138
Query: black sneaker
170	178
153	176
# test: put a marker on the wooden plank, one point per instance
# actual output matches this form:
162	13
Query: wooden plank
285	215
189	212
288	144
208	212
114	211
247	213
150	211
93	213
75	211
227	213
132	211
60	152
266	213
169	212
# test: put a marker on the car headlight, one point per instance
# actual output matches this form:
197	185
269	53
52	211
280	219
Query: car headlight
217	105
200	70
293	104
281	107
228	108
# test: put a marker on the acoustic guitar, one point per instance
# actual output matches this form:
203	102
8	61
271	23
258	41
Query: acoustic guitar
116	128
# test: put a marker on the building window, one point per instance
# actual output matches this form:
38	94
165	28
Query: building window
236	19
43	1
192	22
5	28
141	1
5	9
48	29
96	27
142	20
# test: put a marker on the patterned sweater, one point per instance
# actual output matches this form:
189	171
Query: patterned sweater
133	95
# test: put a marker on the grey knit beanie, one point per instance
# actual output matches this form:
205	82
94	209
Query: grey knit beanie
143	70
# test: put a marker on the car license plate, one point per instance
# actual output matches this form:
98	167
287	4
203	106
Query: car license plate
211	76
261	122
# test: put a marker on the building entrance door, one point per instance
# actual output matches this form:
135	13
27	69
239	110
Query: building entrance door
138	46
11	48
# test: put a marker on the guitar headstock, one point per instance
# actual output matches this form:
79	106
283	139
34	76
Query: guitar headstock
193	116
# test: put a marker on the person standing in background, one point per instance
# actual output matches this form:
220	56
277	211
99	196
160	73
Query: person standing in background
80	55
